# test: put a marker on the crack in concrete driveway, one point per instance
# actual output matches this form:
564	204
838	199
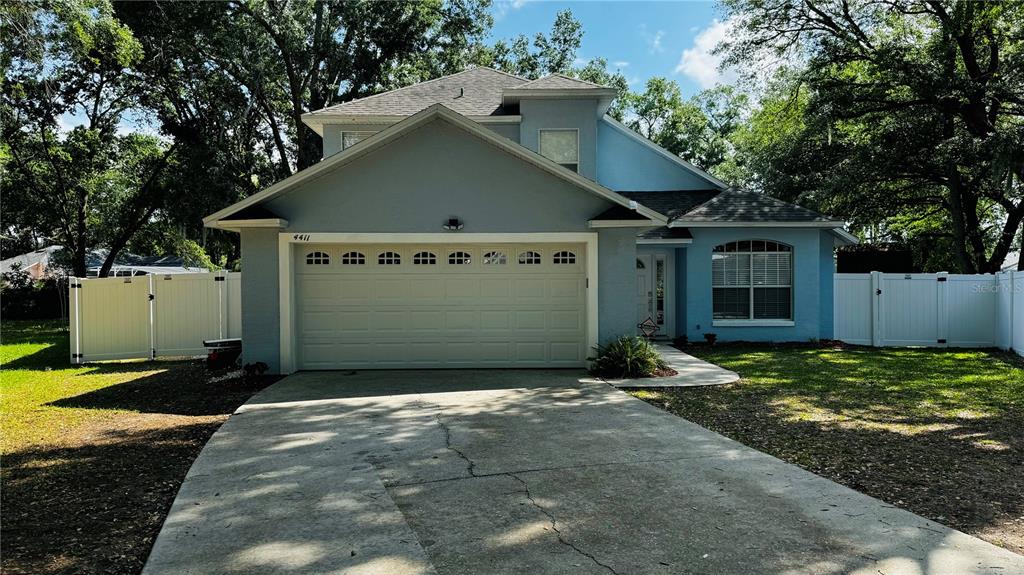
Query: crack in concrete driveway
519	471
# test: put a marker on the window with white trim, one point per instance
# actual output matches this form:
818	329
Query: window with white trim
349	139
564	257
529	258
459	258
752	280
317	259
561	146
424	259
353	259
389	259
494	259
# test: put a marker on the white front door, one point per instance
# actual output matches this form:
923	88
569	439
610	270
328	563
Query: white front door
441	305
644	289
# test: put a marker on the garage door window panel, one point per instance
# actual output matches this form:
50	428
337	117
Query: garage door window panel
389	259
318	258
353	259
529	258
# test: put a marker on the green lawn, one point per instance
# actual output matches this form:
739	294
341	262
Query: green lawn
35	371
939	432
93	455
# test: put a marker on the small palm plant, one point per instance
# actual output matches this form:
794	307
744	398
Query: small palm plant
627	357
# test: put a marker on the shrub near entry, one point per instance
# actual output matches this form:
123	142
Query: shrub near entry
627	357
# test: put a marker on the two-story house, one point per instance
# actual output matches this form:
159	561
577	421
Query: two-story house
484	220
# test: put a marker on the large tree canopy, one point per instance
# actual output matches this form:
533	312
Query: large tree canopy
92	184
907	111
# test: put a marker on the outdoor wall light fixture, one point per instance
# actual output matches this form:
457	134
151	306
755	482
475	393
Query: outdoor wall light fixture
453	225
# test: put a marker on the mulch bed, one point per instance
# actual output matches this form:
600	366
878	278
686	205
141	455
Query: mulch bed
977	491
94	502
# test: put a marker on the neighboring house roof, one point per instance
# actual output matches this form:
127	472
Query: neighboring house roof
40	257
94	261
381	139
472	92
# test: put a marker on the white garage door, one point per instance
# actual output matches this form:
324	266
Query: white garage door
432	305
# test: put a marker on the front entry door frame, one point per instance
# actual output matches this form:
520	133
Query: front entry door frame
658	262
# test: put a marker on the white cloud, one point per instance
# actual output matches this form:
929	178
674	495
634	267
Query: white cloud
700	63
620	64
653	39
502	7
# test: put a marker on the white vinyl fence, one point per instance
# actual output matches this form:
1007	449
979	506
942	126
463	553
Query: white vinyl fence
152	316
944	310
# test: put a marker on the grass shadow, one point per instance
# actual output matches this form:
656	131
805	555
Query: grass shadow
937	432
94	508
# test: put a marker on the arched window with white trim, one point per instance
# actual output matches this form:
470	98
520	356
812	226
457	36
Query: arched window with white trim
353	259
494	259
460	258
529	258
424	259
752	280
389	259
563	257
318	259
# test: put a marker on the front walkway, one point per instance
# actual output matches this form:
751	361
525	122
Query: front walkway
690	372
519	472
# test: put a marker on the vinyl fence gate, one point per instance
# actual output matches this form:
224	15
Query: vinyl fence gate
145	317
939	310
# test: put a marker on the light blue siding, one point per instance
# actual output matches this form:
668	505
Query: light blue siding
623	164
812	309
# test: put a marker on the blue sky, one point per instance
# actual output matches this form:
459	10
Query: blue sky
641	39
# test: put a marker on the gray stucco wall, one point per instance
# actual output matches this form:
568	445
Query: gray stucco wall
332	133
261	334
616	271
436	172
562	114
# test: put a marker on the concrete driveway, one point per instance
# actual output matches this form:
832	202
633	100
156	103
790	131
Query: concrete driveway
519	472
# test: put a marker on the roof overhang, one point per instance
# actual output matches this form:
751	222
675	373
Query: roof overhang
604	96
844	237
236	225
396	131
829	225
624	224
664	241
316	121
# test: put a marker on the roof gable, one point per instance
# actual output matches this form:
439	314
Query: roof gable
437	112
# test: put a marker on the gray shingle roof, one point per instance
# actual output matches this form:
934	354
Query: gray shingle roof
672	203
723	206
472	92
559	82
741	206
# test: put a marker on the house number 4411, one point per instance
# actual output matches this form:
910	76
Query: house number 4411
300	237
